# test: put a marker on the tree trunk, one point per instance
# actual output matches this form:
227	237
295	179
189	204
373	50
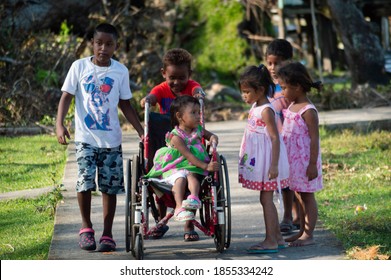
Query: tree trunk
363	51
47	14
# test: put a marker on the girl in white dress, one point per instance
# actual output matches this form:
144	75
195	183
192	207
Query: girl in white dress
263	162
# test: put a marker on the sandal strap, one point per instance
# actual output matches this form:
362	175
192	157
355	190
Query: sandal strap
107	238
194	197
183	215
179	211
84	230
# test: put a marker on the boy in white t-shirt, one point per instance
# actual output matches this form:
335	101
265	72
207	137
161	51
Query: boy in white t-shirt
100	85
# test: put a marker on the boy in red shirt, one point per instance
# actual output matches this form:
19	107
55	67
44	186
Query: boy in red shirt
176	71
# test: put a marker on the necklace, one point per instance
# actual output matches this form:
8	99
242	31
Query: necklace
100	82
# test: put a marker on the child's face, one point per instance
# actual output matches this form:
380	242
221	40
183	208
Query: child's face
104	46
290	92
176	77
272	62
250	94
190	116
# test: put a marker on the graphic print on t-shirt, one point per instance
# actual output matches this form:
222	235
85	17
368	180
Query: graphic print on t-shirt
98	103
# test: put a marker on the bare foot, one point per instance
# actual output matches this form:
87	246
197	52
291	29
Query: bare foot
294	237
302	242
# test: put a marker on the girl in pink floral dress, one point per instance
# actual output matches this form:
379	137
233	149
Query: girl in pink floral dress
300	133
263	162
278	52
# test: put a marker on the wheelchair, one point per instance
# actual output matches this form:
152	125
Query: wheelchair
214	214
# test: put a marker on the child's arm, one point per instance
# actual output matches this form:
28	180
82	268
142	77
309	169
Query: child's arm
211	137
311	119
178	144
269	118
63	107
131	115
151	98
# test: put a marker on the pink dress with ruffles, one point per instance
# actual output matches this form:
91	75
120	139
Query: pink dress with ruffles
297	141
256	154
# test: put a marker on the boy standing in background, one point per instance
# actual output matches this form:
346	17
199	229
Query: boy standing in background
280	51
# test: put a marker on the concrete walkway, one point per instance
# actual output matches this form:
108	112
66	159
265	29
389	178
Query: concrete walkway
246	229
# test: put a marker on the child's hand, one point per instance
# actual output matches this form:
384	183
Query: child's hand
150	98
273	172
199	93
62	134
214	139
142	102
312	172
213	166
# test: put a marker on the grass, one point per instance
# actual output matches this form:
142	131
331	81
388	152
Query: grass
30	162
356	170
26	227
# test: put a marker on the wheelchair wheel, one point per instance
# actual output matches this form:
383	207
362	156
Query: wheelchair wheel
206	209
128	205
219	238
134	199
223	229
139	247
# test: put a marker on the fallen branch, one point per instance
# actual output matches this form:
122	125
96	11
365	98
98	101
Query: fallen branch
380	96
10	60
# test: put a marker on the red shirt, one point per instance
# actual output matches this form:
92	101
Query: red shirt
164	95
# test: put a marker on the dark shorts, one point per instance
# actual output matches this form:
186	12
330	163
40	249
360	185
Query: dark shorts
109	164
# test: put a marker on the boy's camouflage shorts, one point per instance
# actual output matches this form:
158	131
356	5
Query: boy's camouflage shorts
108	162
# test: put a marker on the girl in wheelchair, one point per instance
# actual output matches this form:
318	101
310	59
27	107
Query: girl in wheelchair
185	158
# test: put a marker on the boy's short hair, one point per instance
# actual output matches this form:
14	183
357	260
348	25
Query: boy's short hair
280	47
107	28
177	56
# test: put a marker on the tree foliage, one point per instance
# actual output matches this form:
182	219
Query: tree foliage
40	40
35	61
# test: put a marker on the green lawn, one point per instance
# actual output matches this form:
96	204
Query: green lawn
30	162
356	170
25	230
26	225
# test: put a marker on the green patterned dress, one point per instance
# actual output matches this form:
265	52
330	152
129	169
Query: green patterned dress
168	160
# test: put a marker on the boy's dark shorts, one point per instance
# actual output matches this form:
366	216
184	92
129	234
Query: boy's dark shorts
109	164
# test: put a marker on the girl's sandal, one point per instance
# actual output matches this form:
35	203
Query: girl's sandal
182	215
191	203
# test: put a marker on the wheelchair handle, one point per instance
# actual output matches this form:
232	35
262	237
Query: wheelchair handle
146	132
202	112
